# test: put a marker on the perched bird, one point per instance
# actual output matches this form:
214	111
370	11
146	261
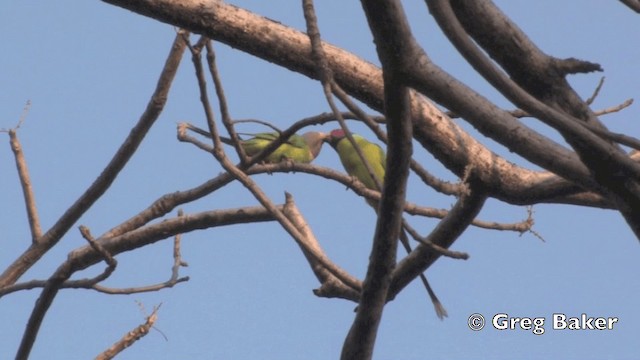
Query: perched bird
377	159
373	153
298	148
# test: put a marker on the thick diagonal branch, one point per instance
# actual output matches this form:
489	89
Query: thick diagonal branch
290	48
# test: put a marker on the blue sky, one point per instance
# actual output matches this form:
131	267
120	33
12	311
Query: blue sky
89	69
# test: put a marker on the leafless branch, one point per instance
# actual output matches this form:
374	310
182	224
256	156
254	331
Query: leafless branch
295	126
86	256
360	189
444	234
256	121
388	26
25	182
435	248
331	286
108	175
632	4
329	86
519	113
247	182
130	337
611	168
615	108
224	108
111	262
50	290
449	143
593	96
173	280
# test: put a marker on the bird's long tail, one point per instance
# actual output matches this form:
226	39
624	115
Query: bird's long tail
441	312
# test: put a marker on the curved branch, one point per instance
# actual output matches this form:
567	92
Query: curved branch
613	171
290	48
108	175
445	233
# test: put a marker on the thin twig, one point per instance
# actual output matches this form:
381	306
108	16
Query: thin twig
326	78
435	248
331	286
108	175
111	262
166	203
173	280
615	108
247	182
360	189
224	108
261	122
86	256
519	113
131	336
25	182
590	100
444	234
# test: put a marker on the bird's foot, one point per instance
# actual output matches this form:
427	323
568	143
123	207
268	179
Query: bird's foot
289	161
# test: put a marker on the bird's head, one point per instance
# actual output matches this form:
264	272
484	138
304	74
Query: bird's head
314	140
335	136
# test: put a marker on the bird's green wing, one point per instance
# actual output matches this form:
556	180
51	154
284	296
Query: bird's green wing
353	164
295	148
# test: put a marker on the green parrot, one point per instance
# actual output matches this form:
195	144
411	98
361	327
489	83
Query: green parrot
377	160
373	153
298	148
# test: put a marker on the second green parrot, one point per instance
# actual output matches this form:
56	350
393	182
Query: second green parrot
373	153
298	148
377	159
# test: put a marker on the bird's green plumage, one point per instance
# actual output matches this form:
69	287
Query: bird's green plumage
373	153
298	148
377	159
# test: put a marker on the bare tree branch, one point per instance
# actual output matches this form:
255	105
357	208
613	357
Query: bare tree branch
434	130
632	4
86	256
111	262
27	189
596	171
331	286
616	108
596	92
224	109
611	169
173	280
388	24
329	86
444	234
246	181
108	175
130	337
